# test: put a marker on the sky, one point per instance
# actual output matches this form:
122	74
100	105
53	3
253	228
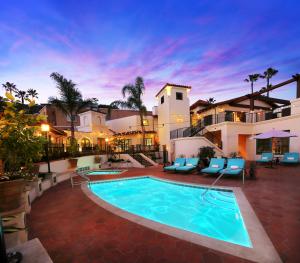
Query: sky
103	45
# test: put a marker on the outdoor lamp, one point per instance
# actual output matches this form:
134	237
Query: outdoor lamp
45	127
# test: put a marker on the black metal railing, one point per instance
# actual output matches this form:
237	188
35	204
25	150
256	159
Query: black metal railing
60	151
230	116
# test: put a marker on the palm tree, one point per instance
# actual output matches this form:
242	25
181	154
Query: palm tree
211	100
21	94
268	74
252	78
10	87
70	101
134	101
32	93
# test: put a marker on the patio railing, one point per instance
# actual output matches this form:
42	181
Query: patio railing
230	116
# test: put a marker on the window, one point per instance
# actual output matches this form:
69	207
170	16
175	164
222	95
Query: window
162	100
263	145
146	122
147	141
277	145
179	96
85	142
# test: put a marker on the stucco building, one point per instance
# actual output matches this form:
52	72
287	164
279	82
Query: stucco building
183	127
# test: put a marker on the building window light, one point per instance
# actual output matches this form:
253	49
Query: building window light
169	88
145	122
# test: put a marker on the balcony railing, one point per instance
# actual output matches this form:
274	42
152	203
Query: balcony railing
230	116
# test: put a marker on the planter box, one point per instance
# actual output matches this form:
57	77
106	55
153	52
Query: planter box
36	189
52	177
46	184
27	202
11	194
19	237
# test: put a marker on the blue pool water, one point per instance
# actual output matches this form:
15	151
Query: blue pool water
101	172
177	205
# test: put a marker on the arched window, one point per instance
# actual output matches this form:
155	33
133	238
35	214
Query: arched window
85	142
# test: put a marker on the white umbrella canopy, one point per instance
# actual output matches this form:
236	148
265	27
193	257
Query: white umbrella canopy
274	134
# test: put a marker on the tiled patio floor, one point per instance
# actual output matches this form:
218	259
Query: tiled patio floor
74	229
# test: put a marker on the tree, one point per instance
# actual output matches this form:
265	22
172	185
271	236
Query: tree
19	143
21	94
252	78
268	74
32	93
70	101
211	100
134	101
10	87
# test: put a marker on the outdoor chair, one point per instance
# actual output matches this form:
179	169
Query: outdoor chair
191	164
235	166
266	158
290	158
215	166
177	163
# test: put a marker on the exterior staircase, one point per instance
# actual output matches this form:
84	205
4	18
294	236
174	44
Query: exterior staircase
139	158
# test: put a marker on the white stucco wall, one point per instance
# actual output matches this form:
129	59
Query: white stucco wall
231	130
132	123
172	114
190	146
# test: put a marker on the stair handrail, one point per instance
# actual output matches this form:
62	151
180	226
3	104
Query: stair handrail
211	186
82	175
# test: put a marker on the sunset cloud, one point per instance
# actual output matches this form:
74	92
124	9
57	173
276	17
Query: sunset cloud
103	46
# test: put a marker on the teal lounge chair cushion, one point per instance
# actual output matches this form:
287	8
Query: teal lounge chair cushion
177	163
215	166
191	164
292	157
265	158
234	167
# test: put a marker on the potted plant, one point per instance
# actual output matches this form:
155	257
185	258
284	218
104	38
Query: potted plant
20	146
205	154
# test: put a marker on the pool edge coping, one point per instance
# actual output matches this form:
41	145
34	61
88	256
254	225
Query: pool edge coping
262	251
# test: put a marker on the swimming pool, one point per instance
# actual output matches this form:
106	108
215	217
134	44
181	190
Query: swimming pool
217	215
102	172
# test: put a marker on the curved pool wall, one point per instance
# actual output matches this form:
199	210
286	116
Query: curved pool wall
262	248
215	215
105	172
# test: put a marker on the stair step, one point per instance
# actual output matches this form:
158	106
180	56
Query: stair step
141	160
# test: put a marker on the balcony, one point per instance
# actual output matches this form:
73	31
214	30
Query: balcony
230	116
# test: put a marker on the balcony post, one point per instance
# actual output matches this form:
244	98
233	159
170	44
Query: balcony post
298	88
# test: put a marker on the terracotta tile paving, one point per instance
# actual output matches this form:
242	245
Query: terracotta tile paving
74	229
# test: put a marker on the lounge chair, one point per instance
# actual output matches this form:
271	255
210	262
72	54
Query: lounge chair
191	164
177	163
290	158
215	166
235	167
265	158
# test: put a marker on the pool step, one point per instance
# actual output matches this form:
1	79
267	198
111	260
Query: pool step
220	199
141	159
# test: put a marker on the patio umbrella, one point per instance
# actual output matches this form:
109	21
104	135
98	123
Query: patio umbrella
274	134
